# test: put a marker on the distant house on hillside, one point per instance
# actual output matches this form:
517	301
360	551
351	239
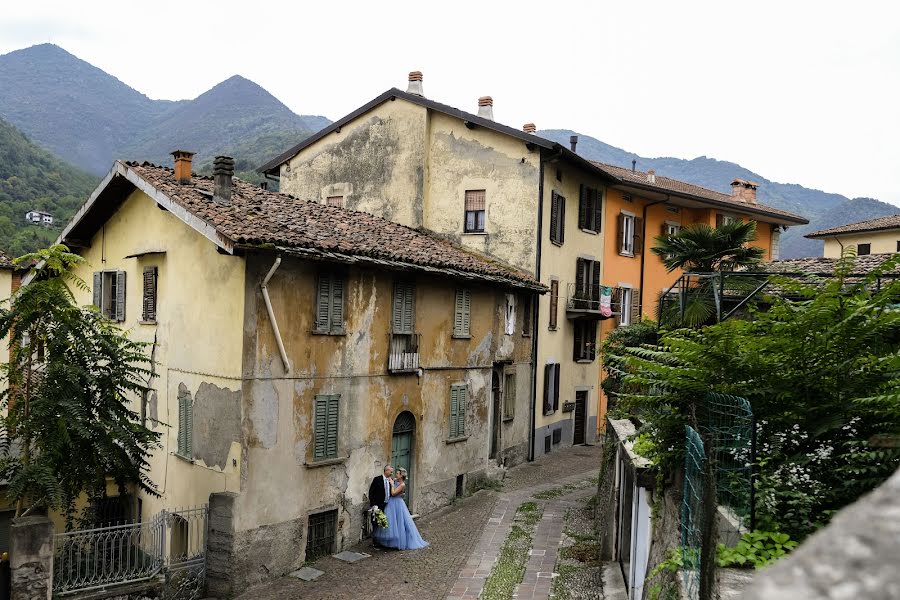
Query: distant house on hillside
875	236
38	217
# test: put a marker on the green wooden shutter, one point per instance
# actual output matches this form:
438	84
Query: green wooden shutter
120	296
331	433
323	302
457	411
98	289
461	313
182	426
404	307
320	420
337	304
149	298
189	428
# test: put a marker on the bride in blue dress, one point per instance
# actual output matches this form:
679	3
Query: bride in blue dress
401	532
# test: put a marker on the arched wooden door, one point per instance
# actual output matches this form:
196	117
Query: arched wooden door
402	450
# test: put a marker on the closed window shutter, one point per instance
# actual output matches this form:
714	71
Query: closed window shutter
579	277
321	429
620	232
548	388
323	302
398	307
562	220
598	210
150	275
583	194
182	424
457	411
637	235
120	296
409	308
336	324
635	306
98	289
189	428
461	411
592	340
461	314
554	302
331	433
595	282
556	388
578	353
554	217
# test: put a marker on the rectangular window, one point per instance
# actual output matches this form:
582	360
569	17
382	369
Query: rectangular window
551	388
474	211
722	220
554	304
109	294
509	395
629	234
326	426
335	201
670	229
330	304
404	313
557	218
587	284
863	249
185	426
625	296
510	326
590	209
585	340
321	535
462	314
526	314
458	397
149	304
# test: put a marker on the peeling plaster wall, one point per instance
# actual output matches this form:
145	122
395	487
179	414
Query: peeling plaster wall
282	484
376	162
198	340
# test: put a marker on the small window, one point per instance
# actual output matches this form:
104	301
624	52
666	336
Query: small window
526	315
462	314
335	201
722	220
326	426
109	294
321	535
898	245
404	313
185	426
863	249
475	200
330	304
625	300
629	234
585	340
149	297
509	395
458	397
590	209
671	229
551	388
554	304
557	218
510	327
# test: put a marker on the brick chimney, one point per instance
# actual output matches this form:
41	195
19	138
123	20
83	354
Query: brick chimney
415	84
529	128
486	107
182	166
744	191
573	142
651	176
223	172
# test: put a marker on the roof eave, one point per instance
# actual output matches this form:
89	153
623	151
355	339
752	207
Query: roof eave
816	235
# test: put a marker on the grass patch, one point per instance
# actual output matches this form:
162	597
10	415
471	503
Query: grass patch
510	566
587	552
563	490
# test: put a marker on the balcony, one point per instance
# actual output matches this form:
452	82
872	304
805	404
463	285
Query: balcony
404	353
583	302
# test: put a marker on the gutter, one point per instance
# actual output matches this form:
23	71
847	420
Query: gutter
644	248
265	293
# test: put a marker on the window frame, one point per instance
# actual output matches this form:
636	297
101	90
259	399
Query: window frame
408	290
457	420
553	320
527	314
551	387
625	306
627	239
149	316
111	297
476	213
868	249
331	441
590	207
557	218
584	350
334	312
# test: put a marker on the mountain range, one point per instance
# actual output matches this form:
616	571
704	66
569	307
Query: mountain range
88	118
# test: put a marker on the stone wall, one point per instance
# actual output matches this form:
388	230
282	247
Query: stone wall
31	558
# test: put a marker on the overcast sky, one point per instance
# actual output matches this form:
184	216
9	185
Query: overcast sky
800	92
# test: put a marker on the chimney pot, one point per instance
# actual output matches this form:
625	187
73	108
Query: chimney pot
633	165
486	107
573	142
651	176
415	84
529	128
182	166
744	191
223	172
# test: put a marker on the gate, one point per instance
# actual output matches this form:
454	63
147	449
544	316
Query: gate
168	550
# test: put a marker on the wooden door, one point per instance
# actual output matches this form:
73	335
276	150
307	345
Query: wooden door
402	442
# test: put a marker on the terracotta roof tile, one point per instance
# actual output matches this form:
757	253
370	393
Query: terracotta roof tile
881	223
259	217
665	184
5	261
825	266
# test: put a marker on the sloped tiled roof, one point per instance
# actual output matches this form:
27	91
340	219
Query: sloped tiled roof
257	217
879	224
5	261
825	266
665	184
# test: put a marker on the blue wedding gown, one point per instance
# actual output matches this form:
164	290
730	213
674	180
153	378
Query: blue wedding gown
401	532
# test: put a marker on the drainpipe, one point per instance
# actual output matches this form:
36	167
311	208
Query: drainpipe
534	310
265	293
644	248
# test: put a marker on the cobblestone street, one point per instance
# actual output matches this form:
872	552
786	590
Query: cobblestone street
455	534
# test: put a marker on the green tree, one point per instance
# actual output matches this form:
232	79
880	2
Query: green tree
67	425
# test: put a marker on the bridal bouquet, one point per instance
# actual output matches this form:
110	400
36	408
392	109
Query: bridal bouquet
379	517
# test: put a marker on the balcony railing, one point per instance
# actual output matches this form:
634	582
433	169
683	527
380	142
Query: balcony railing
404	353
583	300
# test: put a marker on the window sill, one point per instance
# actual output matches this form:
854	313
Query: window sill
184	458
461	337
508	419
325	462
590	231
148	322
555	243
551	329
552	412
526	335
474	232
584	361
628	254
456	440
334	333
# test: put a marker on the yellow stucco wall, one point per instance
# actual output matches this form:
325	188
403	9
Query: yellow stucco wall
198	333
882	242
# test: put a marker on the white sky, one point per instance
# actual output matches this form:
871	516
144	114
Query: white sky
798	91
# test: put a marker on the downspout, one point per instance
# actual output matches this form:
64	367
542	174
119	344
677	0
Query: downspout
535	312
644	249
265	293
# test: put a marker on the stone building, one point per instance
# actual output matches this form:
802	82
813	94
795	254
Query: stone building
298	348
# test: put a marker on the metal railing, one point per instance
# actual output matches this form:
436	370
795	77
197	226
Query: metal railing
404	352
88	559
588	298
691	509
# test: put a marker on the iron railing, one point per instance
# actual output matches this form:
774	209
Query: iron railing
589	299
89	559
404	352
691	511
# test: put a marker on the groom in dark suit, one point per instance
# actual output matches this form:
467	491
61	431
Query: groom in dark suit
380	490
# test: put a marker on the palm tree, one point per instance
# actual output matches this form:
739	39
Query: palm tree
708	252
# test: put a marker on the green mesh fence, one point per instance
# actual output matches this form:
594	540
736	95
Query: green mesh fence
694	460
730	423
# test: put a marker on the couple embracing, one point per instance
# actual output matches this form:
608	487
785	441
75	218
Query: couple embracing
386	494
